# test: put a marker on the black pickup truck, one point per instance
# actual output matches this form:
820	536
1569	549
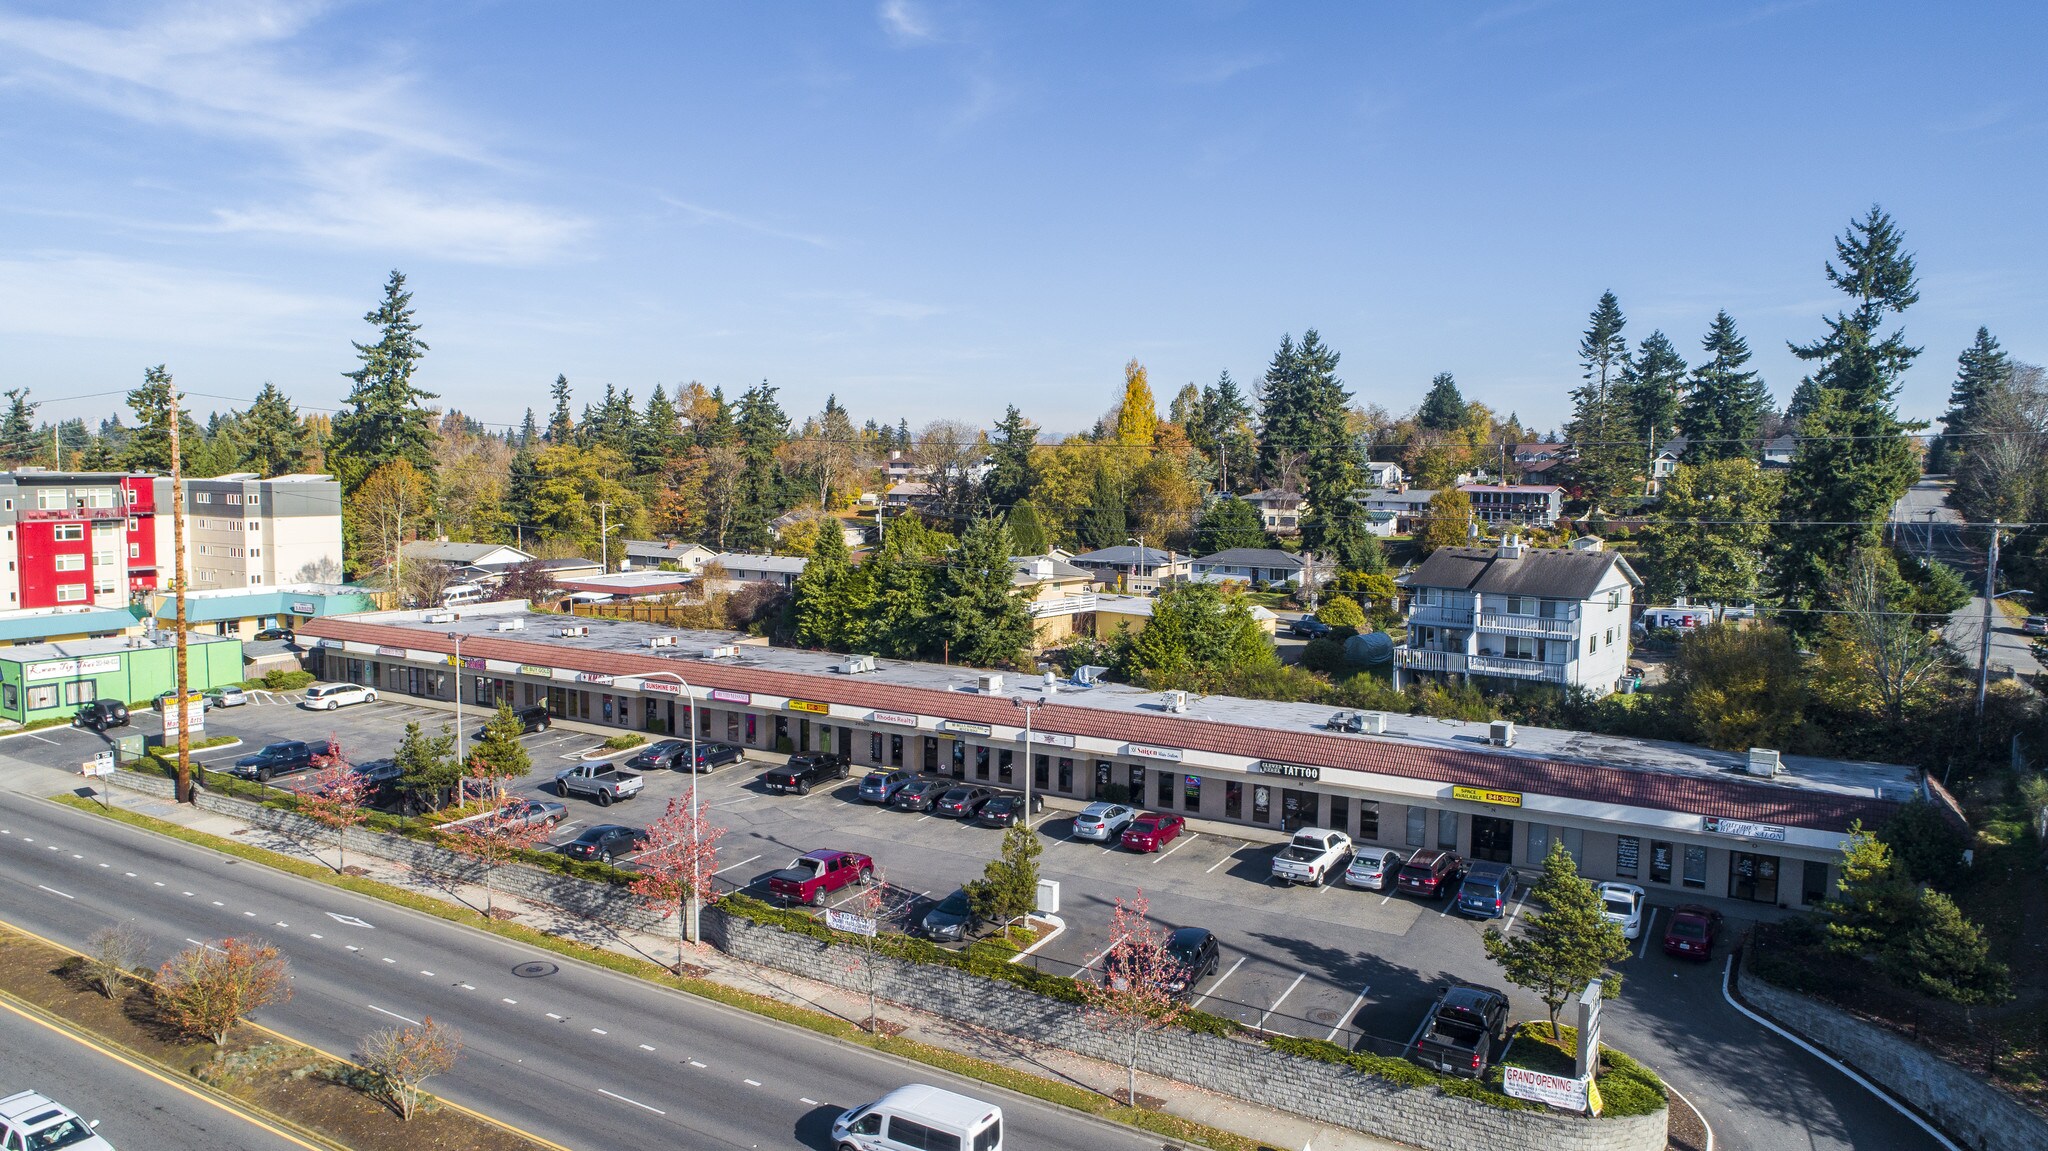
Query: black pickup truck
286	758
1464	1032
805	769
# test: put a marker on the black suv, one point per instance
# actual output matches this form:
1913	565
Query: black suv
284	758
805	769
102	714
1465	1031
531	719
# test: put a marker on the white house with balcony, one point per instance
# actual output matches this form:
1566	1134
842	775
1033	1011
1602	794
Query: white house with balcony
1516	613
1055	594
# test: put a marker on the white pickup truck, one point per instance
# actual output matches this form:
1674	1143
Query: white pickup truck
1316	855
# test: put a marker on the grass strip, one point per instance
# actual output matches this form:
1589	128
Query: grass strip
1050	1091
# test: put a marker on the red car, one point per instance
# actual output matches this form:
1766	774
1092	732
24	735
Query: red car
1152	831
1692	931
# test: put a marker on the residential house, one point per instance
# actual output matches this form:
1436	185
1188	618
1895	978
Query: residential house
1058	593
1407	505
1382	474
1538	505
745	567
457	554
665	555
1133	568
910	495
1536	463
1778	451
1256	566
1514	613
1281	510
853	534
1130	614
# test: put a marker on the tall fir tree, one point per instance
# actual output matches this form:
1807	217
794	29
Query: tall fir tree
761	427
1229	522
1282	437
19	440
1981	367
384	420
1651	384
905	574
1725	403
1854	460
561	424
1027	533
656	436
1331	467
1103	523
979	610
528	433
1225	433
275	440
1010	476
148	445
1603	453
832	599
1443	407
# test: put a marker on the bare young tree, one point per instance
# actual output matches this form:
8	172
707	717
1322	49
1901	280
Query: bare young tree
403	1058
1875	644
2004	471
495	839
112	954
1137	996
339	798
679	864
864	957
425	581
207	988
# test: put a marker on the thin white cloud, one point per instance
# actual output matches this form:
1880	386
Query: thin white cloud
714	215
87	296
871	306
904	22
1214	70
373	162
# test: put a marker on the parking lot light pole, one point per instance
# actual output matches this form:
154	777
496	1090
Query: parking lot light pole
457	637
1028	706
696	828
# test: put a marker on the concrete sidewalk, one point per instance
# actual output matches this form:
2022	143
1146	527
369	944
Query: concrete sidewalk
1275	1129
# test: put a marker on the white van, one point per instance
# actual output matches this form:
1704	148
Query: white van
456	595
328	696
920	1118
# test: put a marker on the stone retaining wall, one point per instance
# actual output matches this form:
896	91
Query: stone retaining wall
1971	1111
1241	1068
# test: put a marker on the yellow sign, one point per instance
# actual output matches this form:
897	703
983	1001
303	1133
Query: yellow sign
812	706
1486	795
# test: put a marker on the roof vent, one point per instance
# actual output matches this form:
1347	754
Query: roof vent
723	651
572	632
510	625
1175	701
1513	548
857	665
1089	674
1502	733
1764	761
661	641
989	684
439	617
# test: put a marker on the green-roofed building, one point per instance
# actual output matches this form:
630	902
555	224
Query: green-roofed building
52	680
240	613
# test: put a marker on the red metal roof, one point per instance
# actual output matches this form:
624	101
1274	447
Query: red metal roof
1674	790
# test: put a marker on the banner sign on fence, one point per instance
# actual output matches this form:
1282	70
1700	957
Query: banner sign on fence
1556	1090
848	922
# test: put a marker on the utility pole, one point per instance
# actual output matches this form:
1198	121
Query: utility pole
185	793
604	535
1984	641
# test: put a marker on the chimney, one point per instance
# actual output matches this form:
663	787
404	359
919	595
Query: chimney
1512	547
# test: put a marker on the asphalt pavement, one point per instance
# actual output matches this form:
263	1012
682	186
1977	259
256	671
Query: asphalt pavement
1925	525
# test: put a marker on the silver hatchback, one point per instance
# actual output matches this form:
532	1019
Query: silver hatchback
1103	822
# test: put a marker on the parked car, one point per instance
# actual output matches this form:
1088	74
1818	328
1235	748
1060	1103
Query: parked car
1316	855
716	755
1103	822
283	633
1308	627
286	757
1375	867
1623	904
603	782
377	775
1487	890
951	919
1002	811
1464	1032
920	794
1692	931
329	696
523	813
812	876
1191	956
32	1119
1152	831
882	786
163	697
230	696
964	800
102	714
605	842
804	771
531	720
2035	625
1430	874
664	755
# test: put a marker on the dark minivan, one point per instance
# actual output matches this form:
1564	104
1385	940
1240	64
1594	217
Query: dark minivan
1487	890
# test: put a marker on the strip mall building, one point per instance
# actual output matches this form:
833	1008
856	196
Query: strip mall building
1677	819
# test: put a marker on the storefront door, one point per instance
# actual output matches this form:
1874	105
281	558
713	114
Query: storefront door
1753	877
1103	779
959	758
1297	809
1493	840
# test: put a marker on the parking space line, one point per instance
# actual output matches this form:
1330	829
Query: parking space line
1104	953
1510	926
1224	860
1345	1018
1191	837
741	863
1643	948
1219	982
1261	1024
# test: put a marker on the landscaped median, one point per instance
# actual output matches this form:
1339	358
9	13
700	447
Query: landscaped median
979	986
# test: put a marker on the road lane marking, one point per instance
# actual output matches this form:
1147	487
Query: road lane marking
1345	1018
316	935
388	959
472	987
351	947
634	1102
428	974
1185	840
751	1082
599	1031
32	735
54	891
1224	860
645	1047
392	1014
694	1063
555	1017
1643	948
129	874
1219	982
218	903
511	1001
807	1101
1261	1024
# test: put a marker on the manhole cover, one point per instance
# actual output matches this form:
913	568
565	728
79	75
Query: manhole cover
535	970
1322	1015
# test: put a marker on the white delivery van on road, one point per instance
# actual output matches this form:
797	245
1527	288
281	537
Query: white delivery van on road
920	1118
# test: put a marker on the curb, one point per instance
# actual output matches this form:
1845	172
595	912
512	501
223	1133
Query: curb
1058	925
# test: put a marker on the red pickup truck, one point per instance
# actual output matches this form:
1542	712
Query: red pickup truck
810	877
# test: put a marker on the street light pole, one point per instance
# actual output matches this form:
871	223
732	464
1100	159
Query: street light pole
696	828
1028	706
456	636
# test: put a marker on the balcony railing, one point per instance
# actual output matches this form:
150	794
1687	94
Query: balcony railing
1424	659
1437	615
1517	668
1529	625
1061	605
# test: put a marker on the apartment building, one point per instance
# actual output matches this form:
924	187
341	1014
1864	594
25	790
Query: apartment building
243	530
69	539
1539	505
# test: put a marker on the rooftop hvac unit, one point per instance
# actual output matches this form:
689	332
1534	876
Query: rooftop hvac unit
1373	722
1175	701
1764	761
857	665
1087	676
662	641
573	632
989	684
510	625
440	617
1503	733
723	651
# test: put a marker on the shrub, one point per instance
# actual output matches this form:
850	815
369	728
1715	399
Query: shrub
1323	654
622	742
284	679
1342	611
404	1058
1926	843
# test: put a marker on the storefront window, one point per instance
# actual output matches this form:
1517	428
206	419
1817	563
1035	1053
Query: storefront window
1369	819
1066	775
1135	773
1628	852
1233	799
1340	812
875	747
1041	772
1660	862
1165	790
1003	762
1539	845
1813	886
1695	866
753	734
42	697
1104	778
931	753
1418	825
1447	830
981	763
960	760
1297	809
1752	876
1262	803
895	751
732	728
703	718
1191	792
10	697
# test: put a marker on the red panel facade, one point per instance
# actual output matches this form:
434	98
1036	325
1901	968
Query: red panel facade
139	493
38	544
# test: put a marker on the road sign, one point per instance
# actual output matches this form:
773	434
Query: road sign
98	765
193	712
849	922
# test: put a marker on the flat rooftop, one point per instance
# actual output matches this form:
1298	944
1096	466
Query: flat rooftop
105	645
1812	775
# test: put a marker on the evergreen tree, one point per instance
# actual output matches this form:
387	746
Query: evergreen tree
1228	523
562	424
1566	945
1725	404
274	438
501	754
1603	452
1331	467
832	599
1443	409
1197	637
1102	523
19	440
1854	461
1712	532
384	421
1805	398
527	432
1650	383
1008	887
1027	534
655	437
1010	475
1225	432
761	426
148	447
1282	437
1137	421
979	610
905	577
1981	367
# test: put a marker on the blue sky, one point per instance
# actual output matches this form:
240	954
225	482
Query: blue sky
933	208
